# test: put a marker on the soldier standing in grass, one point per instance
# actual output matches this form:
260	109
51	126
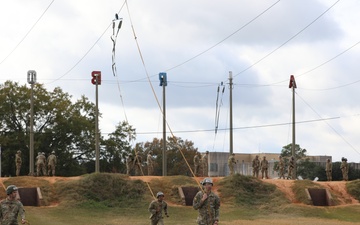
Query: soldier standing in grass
328	170
205	162
264	168
10	208
256	166
196	164
231	163
18	162
156	209
208	204
138	164
40	164
129	164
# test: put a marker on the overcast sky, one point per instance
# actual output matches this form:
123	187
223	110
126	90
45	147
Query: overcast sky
197	43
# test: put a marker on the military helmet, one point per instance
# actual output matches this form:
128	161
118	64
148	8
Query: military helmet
53	152
159	194
207	180
207	152
10	189
18	151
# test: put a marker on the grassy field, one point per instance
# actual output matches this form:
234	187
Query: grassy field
113	199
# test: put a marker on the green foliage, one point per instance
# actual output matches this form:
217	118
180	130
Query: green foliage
110	190
249	191
310	170
353	188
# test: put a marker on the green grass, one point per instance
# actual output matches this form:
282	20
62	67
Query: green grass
109	199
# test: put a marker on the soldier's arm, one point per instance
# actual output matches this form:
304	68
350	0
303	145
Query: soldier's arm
21	211
217	208
165	209
152	208
197	201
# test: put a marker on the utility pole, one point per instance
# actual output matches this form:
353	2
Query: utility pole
96	80
0	160
163	83
31	79
231	116
292	85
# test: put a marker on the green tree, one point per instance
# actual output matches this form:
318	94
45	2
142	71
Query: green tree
175	160
59	125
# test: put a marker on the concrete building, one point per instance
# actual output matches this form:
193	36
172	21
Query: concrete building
218	163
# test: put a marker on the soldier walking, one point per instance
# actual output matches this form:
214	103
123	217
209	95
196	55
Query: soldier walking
205	163
156	208
281	167
18	162
231	163
10	208
256	166
196	164
150	164
208	204
51	163
264	168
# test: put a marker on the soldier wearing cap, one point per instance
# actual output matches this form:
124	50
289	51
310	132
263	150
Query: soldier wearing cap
156	208
40	164
18	162
51	163
10	208
256	166
291	168
328	170
231	163
208	204
205	163
344	169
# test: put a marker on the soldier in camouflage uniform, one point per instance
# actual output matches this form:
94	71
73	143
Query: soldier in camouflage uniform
51	163
281	167
40	164
256	166
196	164
328	170
204	162
208	204
291	168
156	209
231	163
138	164
264	168
344	169
18	162
129	164
150	163
10	208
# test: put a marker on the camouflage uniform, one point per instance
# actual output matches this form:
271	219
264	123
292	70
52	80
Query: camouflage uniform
156	208
51	161
231	163
344	169
281	168
256	166
205	162
196	164
18	162
40	164
129	164
208	210
291	168
150	164
264	168
11	208
328	170
138	165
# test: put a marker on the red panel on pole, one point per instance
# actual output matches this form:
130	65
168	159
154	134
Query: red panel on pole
96	75
292	82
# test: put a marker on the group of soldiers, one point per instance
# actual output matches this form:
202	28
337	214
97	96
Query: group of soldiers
201	167
135	162
262	165
344	166
41	163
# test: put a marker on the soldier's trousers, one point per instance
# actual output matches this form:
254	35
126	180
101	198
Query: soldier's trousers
157	222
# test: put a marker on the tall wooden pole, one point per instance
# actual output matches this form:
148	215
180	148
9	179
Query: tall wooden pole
231	115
